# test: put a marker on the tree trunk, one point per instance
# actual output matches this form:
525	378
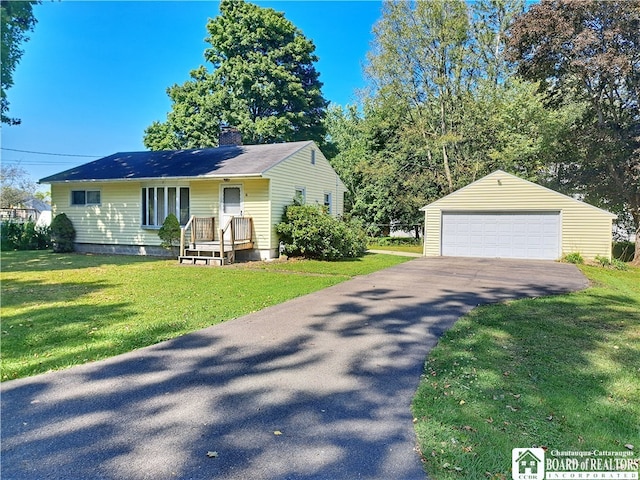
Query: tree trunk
447	170
445	156
636	255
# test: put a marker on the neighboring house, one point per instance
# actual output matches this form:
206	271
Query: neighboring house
118	203
502	215
31	210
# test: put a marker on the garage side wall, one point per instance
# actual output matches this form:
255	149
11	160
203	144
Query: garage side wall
584	228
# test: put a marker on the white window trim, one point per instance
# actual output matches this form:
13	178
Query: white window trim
330	194
157	224
85	204
221	199
303	194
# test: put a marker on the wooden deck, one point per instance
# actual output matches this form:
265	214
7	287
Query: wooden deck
205	247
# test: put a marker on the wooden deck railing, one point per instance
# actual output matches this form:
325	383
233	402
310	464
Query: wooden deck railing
199	228
203	229
237	230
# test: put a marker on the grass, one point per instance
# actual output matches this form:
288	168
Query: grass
62	310
561	372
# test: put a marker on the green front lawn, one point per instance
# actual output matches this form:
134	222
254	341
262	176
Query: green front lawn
560	372
61	310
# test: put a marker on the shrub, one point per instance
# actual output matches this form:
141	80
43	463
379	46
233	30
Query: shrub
619	264
10	235
309	231
574	257
169	232
603	261
24	236
393	241
62	234
614	263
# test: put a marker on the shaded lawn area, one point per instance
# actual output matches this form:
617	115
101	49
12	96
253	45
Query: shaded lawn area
398	248
560	372
60	310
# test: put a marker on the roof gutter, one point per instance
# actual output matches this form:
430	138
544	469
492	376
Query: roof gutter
156	179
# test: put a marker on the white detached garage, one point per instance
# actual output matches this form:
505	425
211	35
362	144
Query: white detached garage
504	216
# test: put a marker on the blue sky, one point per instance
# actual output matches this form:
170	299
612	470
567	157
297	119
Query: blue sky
94	74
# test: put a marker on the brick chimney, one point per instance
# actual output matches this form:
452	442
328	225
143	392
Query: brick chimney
229	136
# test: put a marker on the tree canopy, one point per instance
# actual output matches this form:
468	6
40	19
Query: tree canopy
442	110
587	52
263	82
17	20
15	186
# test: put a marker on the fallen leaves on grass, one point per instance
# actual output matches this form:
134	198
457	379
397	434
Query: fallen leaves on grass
447	465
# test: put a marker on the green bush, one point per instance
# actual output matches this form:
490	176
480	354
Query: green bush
62	234
309	231
624	251
573	257
392	241
615	263
619	264
169	232
24	236
603	261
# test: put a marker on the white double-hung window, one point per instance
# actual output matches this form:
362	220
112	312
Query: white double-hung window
158	202
85	197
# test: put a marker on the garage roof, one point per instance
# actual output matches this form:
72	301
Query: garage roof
457	199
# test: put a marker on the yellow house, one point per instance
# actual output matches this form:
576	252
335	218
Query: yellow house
118	203
502	215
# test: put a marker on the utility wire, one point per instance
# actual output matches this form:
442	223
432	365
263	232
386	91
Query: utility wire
35	162
48	153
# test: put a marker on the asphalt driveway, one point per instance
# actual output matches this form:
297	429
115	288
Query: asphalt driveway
315	388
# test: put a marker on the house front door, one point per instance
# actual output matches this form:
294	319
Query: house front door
231	205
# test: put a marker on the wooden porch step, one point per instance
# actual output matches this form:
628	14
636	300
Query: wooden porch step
202	260
215	246
197	252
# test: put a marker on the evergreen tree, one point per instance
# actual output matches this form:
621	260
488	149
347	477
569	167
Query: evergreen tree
263	82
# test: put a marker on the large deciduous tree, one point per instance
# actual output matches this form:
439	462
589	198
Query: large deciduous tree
420	62
17	20
15	186
443	110
263	82
588	51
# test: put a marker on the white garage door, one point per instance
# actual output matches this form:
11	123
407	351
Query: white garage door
534	235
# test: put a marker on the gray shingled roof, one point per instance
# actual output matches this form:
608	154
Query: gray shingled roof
247	160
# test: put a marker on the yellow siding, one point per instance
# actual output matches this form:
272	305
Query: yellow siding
298	171
584	228
256	206
432	231
116	221
206	197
